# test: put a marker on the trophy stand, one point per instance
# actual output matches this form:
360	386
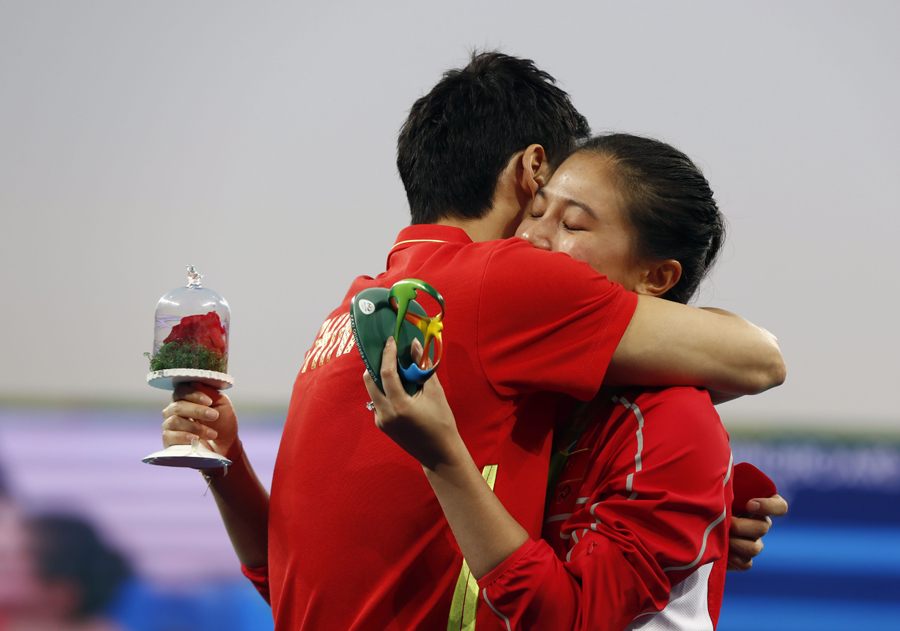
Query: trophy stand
190	344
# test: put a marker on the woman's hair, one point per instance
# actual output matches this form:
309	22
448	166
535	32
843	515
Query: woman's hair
668	204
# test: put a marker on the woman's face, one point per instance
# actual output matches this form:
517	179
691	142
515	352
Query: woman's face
580	212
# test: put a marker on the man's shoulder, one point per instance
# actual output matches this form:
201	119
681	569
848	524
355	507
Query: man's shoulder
497	268
524	269
439	247
516	249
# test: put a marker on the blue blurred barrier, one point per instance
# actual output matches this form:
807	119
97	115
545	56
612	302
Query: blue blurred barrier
799	614
834	561
233	606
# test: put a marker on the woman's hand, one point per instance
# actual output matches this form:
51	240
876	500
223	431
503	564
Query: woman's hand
422	424
198	411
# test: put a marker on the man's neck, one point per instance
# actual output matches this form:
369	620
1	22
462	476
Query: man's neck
508	205
493	226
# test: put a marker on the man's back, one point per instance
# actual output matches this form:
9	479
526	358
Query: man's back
356	537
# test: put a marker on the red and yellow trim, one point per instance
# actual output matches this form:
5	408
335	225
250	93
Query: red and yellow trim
465	596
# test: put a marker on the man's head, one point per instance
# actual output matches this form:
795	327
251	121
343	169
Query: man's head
459	137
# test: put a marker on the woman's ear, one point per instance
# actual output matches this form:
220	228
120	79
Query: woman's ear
533	169
659	278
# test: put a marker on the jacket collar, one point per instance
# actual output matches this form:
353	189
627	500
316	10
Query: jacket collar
428	233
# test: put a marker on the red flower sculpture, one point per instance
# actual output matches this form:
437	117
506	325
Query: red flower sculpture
205	330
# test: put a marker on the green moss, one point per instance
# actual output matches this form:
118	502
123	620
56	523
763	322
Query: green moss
187	355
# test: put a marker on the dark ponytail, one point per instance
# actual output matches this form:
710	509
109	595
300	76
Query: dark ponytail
668	203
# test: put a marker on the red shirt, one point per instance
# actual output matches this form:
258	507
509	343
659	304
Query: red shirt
357	539
637	524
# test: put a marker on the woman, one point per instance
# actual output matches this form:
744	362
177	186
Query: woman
639	518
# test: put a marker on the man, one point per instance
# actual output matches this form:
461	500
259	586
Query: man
353	537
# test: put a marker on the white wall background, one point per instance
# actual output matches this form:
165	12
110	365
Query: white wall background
256	141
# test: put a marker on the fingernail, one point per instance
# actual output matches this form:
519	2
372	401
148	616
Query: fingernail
211	433
212	415
192	437
390	341
205	400
753	505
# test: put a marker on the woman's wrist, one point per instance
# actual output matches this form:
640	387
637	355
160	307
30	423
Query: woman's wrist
450	452
234	452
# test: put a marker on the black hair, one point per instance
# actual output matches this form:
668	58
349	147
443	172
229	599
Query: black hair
68	549
669	204
459	137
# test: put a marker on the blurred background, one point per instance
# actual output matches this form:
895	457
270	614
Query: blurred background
257	143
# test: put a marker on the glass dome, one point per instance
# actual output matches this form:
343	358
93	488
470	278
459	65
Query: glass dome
190	337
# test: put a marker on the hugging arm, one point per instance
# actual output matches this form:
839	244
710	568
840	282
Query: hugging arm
614	572
571	329
668	343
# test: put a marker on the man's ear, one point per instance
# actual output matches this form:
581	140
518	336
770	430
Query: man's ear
533	170
659	277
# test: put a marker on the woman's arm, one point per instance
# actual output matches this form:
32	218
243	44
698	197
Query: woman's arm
612	575
425	428
496	548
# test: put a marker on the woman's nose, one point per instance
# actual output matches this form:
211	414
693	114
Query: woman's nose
539	236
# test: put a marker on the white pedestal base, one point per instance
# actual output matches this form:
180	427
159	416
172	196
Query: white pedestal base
168	379
195	456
